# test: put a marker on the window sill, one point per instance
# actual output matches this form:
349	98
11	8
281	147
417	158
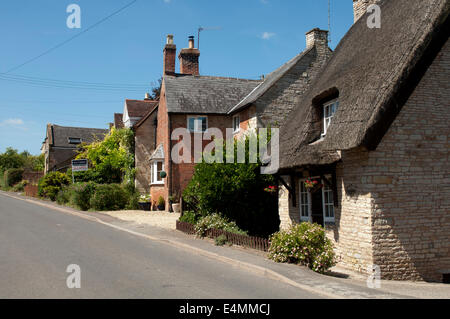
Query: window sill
157	184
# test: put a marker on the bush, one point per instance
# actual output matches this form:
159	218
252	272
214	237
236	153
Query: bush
63	196
80	195
304	244
20	187
13	176
221	240
190	217
218	222
109	197
50	185
236	191
133	196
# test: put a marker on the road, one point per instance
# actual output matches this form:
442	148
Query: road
37	244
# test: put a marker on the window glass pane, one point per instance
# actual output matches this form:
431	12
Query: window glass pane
158	171
191	124
203	123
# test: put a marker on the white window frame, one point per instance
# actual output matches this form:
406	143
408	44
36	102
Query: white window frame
238	128
196	121
333	104
154	173
330	203
303	191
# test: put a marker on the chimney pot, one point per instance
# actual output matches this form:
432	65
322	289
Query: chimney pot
170	53
189	59
147	96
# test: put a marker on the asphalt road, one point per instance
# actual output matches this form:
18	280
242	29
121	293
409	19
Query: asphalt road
37	244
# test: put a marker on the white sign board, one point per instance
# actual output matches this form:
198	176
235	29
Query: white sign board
80	165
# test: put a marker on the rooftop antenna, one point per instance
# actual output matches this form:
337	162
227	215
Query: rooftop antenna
200	29
329	22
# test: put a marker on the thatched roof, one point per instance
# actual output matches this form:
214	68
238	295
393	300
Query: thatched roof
205	94
373	72
269	81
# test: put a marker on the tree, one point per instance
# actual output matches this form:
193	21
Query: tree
112	159
156	91
11	159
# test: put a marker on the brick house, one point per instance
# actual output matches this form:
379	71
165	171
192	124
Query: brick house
187	100
373	132
272	100
61	144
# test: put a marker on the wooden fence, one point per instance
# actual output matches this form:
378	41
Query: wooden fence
240	240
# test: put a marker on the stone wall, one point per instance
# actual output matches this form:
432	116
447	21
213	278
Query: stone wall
409	178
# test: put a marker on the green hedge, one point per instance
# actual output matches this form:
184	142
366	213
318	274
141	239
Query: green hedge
50	185
109	197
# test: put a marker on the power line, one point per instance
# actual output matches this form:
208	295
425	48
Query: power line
72	38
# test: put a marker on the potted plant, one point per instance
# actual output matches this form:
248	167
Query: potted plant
312	185
145	202
161	203
174	202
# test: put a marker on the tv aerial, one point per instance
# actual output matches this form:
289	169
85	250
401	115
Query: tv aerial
201	29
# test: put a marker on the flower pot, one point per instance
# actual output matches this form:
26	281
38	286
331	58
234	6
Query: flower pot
176	208
145	206
161	207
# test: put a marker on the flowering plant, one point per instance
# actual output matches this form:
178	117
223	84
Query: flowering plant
270	189
312	185
304	244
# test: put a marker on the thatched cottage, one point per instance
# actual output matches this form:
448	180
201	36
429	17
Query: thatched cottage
373	132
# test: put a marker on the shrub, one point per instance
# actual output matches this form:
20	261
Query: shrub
133	196
236	191
20	187
218	222
304	244
63	196
190	217
13	176
109	197
50	185
161	201
80	195
221	240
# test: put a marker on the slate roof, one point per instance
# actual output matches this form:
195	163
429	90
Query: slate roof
59	135
205	94
139	108
373	71
269	81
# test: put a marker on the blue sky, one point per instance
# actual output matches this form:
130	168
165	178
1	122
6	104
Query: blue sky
125	51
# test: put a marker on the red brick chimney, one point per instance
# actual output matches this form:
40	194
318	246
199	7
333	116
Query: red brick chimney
170	52
189	59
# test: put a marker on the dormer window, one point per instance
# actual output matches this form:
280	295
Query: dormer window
74	140
329	109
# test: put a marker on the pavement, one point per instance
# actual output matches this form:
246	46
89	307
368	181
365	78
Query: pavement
248	263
